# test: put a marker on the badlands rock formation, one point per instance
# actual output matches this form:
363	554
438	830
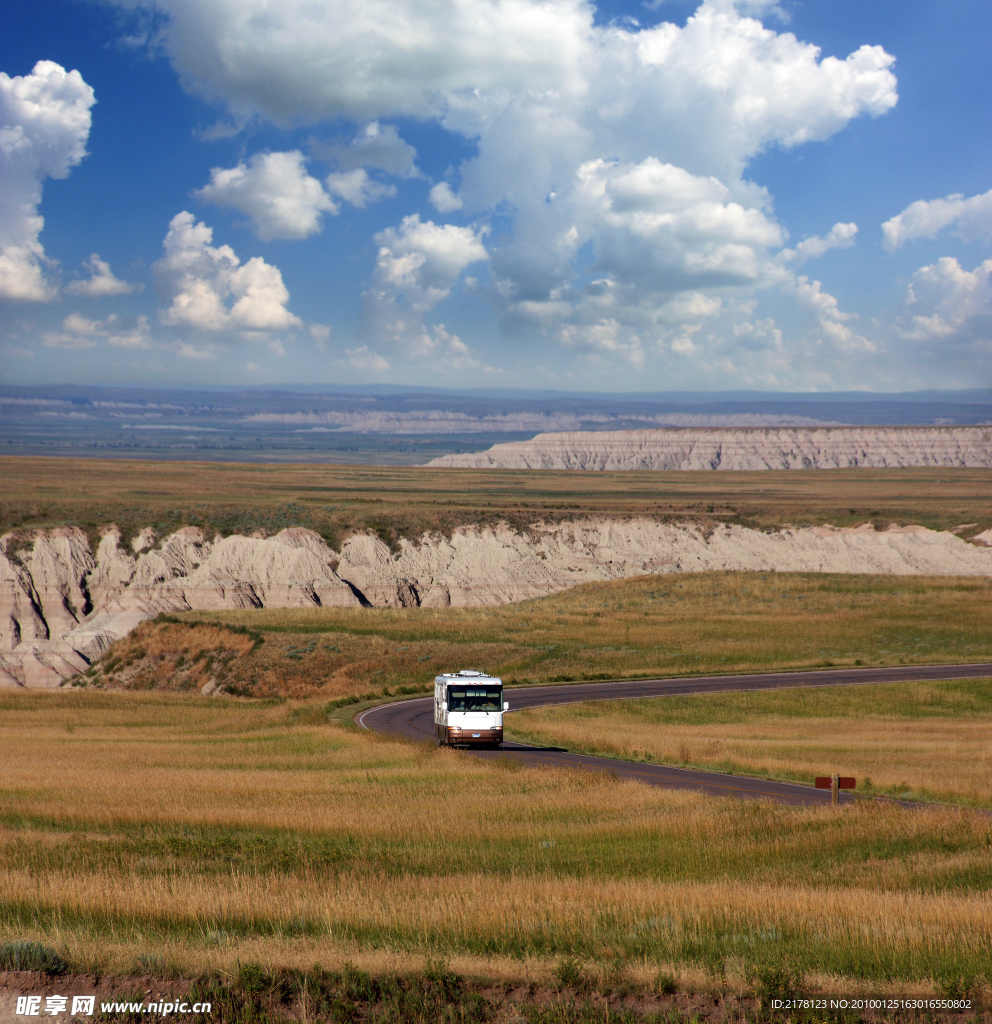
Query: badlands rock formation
61	606
739	448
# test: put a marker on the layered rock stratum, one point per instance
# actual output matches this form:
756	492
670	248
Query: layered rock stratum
62	604
726	448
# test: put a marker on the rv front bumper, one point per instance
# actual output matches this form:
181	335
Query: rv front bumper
473	737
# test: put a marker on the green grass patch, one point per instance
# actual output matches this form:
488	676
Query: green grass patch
913	741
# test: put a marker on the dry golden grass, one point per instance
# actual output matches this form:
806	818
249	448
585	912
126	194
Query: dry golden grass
208	831
335	500
679	624
911	740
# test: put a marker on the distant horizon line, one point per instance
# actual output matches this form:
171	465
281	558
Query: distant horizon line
956	395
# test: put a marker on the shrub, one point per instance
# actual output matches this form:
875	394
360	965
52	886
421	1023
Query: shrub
568	972
777	978
439	977
31	956
956	986
359	985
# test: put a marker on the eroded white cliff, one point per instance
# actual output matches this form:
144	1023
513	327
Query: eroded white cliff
738	448
61	607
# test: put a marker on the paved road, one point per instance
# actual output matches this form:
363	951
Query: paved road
415	720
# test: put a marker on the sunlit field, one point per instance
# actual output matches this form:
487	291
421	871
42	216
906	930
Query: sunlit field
200	834
914	741
676	624
158	832
394	501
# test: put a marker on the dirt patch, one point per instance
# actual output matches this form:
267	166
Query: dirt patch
170	655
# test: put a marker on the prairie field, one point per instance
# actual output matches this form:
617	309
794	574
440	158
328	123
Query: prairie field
406	501
170	833
914	741
668	625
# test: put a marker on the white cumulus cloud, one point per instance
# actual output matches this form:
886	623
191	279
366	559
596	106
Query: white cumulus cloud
44	126
680	111
605	336
672	229
376	145
443	199
831	321
79	332
320	333
357	188
420	261
971	219
101	283
417	265
663	239
321	59
364	358
840	236
946	302
615	155
201	279
275	190
188	351
444	349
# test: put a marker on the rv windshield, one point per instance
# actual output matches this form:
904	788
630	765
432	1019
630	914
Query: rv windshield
475	698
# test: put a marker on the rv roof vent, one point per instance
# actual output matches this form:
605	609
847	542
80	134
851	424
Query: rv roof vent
469	672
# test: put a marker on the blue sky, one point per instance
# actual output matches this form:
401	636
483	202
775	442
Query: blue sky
500	193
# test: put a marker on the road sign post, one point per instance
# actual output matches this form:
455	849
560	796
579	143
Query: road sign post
835	783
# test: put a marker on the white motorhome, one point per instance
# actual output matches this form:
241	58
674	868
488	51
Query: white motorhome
468	709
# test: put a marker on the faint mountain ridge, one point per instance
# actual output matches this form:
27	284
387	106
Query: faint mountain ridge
447	422
397	425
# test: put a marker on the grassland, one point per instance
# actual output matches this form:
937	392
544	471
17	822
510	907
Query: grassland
159	832
192	835
915	741
336	500
660	625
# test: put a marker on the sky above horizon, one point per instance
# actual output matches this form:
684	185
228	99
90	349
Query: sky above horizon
497	193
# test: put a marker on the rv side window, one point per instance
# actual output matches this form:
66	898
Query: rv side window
475	698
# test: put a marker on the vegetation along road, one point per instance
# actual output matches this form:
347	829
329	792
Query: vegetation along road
414	719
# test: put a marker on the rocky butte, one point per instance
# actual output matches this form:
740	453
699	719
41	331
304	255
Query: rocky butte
62	604
737	448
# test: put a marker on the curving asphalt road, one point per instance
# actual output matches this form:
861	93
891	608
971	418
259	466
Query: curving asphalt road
414	719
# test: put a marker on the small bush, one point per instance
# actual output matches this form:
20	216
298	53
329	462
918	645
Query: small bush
615	976
31	956
568	972
341	702
664	983
777	978
152	964
956	986
253	979
359	985
439	977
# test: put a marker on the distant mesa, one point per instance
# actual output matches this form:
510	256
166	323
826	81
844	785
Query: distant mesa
740	448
